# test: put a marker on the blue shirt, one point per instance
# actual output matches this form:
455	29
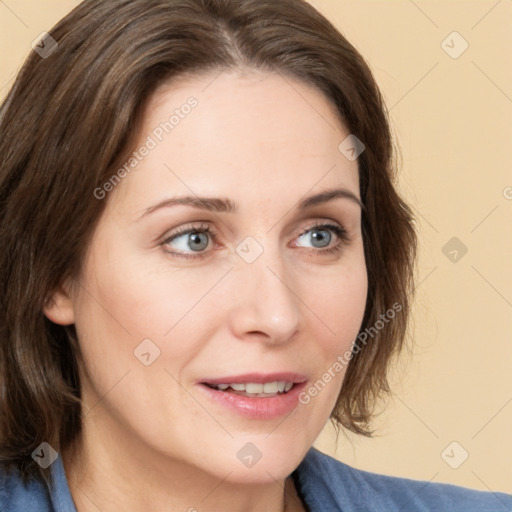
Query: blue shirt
325	484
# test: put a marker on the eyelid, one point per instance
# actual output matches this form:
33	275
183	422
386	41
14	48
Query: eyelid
338	228
186	229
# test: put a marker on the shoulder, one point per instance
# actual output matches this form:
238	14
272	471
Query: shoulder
324	479
19	496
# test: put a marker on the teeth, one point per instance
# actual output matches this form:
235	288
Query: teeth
254	388
270	387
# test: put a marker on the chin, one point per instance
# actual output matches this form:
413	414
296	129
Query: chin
257	460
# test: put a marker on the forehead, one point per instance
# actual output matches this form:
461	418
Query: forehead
252	133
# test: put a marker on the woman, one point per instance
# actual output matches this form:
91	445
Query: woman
199	227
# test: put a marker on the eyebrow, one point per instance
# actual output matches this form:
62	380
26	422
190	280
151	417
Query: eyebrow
226	205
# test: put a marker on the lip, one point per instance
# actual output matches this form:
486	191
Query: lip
262	408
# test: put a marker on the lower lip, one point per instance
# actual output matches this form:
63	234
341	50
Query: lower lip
262	408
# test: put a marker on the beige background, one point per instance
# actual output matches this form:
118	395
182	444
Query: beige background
452	117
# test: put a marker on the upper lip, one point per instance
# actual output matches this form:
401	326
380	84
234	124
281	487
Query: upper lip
258	378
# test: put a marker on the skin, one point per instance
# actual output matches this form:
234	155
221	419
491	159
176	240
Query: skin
151	440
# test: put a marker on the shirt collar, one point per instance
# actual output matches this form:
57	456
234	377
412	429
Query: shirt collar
60	494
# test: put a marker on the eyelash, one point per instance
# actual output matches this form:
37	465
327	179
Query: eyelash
339	231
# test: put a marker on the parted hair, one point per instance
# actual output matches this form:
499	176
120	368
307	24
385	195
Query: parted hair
69	121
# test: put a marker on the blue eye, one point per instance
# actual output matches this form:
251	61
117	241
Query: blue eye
321	236
194	239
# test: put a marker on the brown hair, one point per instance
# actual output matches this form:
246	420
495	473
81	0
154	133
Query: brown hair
68	122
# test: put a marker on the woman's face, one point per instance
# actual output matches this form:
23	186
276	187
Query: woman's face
252	279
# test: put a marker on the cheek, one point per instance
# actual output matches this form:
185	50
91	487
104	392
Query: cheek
126	300
341	308
339	301
144	295
340	304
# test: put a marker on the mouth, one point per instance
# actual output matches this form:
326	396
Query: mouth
254	389
256	395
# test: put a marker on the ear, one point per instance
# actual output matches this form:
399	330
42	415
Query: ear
59	307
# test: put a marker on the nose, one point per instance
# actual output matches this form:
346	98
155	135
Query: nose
264	302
